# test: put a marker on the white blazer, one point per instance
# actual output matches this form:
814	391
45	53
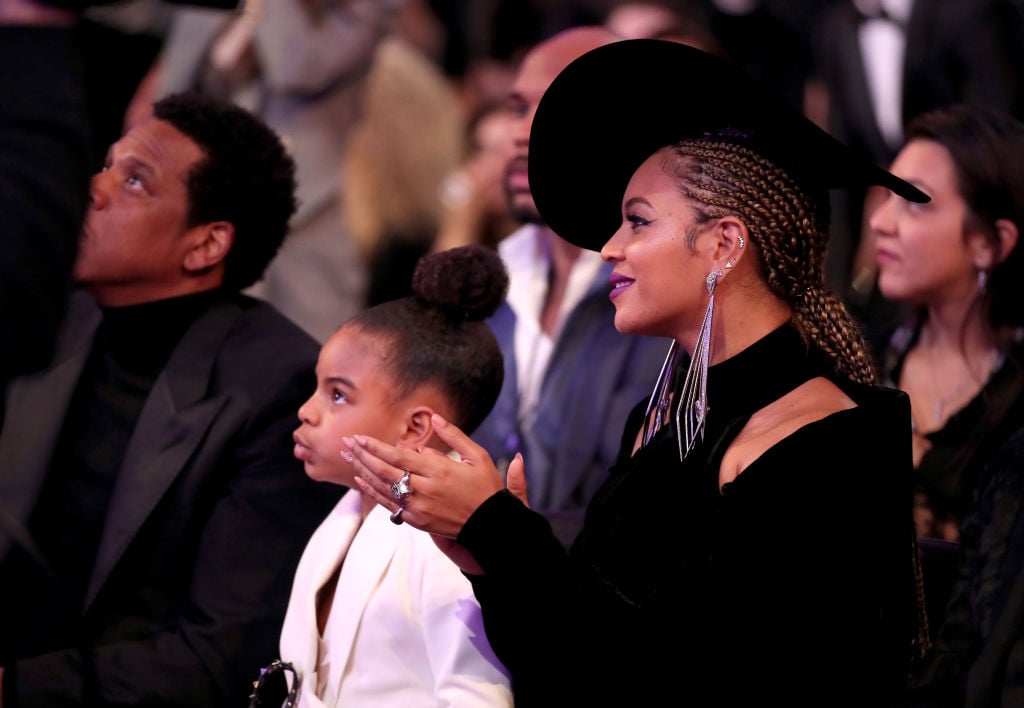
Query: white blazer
405	629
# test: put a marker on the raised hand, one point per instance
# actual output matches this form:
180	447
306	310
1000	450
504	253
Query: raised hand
444	491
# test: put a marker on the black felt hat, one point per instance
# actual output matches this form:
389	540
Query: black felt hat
613	107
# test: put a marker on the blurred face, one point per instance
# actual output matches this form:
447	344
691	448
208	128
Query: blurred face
134	241
354	395
924	254
491	145
538	69
658	283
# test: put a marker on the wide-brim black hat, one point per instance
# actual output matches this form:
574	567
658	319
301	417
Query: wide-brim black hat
615	106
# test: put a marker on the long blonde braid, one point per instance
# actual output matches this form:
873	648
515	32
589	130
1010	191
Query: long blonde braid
791	236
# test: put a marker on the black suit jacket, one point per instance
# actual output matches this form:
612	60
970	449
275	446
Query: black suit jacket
44	180
206	523
955	51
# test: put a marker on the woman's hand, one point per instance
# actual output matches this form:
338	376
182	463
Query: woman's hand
445	492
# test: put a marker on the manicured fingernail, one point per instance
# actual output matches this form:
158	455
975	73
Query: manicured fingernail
347	456
348	442
438	420
361	439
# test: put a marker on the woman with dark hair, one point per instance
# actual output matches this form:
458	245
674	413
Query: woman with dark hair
723	559
956	266
954	263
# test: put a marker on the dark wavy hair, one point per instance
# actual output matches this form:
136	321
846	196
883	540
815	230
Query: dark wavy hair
246	178
987	148
438	335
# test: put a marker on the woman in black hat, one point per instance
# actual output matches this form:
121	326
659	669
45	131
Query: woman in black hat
754	541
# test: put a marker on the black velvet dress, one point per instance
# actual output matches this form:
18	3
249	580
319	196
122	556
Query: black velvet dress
792	585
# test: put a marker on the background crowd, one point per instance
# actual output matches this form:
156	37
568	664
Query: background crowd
400	129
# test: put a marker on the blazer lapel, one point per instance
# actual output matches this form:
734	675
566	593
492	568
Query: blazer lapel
323	554
859	102
174	419
366	563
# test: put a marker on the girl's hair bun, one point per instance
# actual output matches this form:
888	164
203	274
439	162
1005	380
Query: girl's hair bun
467	282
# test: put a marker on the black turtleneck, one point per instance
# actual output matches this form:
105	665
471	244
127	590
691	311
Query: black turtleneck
131	348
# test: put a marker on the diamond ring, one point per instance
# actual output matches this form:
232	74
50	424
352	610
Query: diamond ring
401	489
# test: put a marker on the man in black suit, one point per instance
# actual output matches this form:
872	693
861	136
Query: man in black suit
151	462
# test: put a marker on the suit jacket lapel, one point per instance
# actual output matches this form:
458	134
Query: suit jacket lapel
368	559
320	559
174	419
856	85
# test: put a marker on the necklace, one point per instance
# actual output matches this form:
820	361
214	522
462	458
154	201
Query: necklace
965	387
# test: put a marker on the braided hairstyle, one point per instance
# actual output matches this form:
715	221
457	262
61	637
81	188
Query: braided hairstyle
788	225
438	336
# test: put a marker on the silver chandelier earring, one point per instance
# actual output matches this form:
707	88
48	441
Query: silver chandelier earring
660	396
982	281
694	396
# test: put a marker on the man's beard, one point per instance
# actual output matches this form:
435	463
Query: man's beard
526	214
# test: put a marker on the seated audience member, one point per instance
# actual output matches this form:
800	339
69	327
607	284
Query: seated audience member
978	658
151	461
956	265
378	614
475	207
570	377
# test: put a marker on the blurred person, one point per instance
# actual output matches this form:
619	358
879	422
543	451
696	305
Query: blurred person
408	138
956	267
684	22
570	377
475	206
631	20
45	158
977	656
150	460
877	64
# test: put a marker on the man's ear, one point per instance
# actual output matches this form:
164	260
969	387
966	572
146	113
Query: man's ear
211	246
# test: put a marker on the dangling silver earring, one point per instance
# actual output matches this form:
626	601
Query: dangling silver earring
660	396
982	281
694	396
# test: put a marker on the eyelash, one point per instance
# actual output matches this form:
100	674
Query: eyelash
337	394
636	221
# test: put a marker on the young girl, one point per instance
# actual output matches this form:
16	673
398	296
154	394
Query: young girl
378	615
